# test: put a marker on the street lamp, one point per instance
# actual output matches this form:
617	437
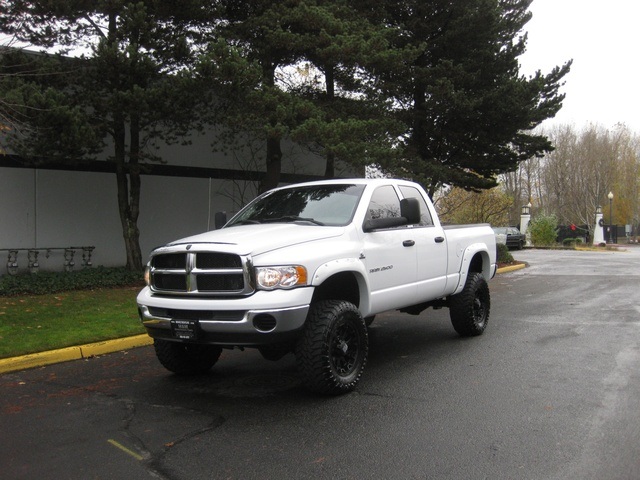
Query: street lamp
610	196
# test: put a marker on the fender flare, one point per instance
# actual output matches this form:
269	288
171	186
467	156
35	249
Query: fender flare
467	256
342	265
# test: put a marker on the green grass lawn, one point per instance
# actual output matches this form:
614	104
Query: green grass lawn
36	323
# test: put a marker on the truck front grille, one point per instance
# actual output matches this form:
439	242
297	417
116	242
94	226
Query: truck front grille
200	273
170	281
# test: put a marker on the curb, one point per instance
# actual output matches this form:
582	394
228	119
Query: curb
512	268
80	352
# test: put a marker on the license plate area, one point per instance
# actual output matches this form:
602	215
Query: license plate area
184	329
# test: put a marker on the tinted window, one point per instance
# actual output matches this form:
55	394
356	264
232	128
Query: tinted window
384	204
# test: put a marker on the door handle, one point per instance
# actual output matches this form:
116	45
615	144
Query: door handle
408	243
439	239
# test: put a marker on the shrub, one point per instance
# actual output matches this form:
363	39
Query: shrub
504	255
573	242
52	282
544	230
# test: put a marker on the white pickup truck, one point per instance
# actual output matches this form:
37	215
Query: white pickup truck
305	268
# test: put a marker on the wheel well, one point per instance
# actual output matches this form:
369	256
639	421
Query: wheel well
341	286
480	263
476	263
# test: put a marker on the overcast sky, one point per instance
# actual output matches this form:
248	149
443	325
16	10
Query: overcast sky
602	39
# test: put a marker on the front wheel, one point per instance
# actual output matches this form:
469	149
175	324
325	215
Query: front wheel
469	309
186	358
332	351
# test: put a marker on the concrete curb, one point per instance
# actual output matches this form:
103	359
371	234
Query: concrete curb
80	352
72	353
512	268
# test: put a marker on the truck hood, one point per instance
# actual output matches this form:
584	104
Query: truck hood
258	239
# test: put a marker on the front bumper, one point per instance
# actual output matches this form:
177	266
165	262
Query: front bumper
261	319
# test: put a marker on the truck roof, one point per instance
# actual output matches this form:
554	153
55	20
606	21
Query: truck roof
356	181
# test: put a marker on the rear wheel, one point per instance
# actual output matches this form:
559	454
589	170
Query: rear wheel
332	351
186	358
469	309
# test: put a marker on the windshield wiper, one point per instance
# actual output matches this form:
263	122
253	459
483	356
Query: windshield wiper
247	222
292	218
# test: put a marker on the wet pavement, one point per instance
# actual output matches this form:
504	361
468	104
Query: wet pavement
550	391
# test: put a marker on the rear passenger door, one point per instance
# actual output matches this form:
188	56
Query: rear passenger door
389	255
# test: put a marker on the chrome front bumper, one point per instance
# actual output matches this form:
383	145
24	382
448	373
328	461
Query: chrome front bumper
232	322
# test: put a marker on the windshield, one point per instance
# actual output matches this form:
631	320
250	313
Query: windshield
332	205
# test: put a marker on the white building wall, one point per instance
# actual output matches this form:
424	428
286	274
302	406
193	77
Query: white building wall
44	209
17	208
49	208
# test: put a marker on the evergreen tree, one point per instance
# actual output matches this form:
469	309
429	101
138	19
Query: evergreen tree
468	112
131	86
327	110
263	32
348	124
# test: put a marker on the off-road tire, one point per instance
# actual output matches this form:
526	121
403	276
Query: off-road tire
469	310
332	352
186	358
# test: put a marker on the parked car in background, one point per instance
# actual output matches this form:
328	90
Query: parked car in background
510	236
501	235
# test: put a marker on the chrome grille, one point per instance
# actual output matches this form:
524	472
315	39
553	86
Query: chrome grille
212	283
200	273
217	260
172	260
170	281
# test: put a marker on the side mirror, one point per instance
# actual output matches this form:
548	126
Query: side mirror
382	223
220	219
410	209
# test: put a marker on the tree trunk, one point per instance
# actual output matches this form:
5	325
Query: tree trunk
329	171
127	176
132	238
271	178
128	183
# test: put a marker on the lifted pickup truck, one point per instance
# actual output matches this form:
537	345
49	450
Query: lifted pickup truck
305	268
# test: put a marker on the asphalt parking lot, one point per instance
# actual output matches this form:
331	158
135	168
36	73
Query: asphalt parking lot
550	391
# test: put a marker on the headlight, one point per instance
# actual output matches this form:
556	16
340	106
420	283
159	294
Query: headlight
269	278
147	275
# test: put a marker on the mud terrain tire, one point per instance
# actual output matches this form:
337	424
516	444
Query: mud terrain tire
332	352
469	310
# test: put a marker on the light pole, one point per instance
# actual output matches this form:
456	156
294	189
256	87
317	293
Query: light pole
610	196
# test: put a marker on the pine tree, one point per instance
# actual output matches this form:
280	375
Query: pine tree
129	85
468	112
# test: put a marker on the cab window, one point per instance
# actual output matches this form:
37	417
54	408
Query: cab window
384	204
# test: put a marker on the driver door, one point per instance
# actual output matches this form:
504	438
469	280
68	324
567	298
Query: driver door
390	255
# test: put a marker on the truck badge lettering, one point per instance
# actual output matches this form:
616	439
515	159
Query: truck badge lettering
381	269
